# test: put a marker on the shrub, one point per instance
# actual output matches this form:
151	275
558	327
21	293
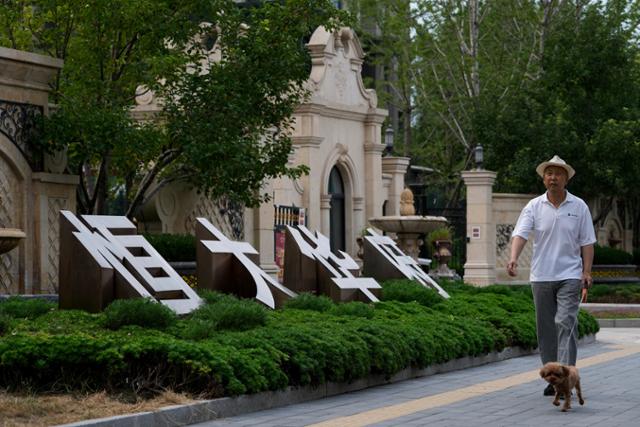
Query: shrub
226	314
442	233
408	291
69	349
174	247
138	311
617	294
607	255
355	308
25	308
5	323
215	297
307	301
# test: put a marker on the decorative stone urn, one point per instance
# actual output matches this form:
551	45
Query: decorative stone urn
443	255
9	238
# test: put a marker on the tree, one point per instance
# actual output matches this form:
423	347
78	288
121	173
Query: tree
231	124
213	133
588	76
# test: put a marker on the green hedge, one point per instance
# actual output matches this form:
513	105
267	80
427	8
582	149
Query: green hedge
298	345
174	247
618	294
607	255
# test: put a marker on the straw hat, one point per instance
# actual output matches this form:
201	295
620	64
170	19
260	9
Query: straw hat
555	161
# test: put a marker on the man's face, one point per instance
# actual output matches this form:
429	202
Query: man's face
555	178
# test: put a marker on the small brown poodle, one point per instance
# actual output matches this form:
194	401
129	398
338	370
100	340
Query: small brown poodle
563	379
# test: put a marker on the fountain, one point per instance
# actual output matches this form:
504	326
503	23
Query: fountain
9	238
408	227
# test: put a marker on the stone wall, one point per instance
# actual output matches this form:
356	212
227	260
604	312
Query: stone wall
491	218
32	188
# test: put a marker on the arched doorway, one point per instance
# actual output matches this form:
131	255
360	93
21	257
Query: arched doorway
337	211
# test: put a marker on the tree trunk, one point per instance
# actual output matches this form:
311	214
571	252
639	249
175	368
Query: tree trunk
102	186
634	211
408	135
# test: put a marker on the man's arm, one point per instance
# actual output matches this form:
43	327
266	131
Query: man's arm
587	262
517	244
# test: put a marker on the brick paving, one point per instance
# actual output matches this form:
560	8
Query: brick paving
610	390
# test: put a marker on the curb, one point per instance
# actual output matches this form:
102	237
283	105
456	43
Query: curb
224	407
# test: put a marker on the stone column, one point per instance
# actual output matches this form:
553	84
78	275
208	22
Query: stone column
481	231
325	214
373	148
308	153
397	168
52	193
263	237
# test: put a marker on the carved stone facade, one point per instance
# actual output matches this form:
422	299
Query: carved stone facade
32	188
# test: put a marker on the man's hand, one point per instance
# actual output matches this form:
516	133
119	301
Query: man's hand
587	282
585	292
512	268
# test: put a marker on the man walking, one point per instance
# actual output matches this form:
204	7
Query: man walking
560	276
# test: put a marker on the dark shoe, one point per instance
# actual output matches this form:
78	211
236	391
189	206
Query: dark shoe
549	391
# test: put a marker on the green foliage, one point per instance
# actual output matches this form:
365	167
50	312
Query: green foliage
70	349
307	301
408	291
174	247
608	255
214	124
25	308
138	311
5	323
355	308
442	233
239	112
226	314
617	294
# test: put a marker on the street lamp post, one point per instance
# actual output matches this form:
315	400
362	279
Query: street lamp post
478	154
388	140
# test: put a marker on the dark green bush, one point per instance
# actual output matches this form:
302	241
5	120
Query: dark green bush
174	247
231	314
619	294
138	311
607	255
408	291
5	323
70	349
307	301
214	297
636	256
25	308
355	308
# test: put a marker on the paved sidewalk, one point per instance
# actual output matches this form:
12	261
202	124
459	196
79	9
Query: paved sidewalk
507	393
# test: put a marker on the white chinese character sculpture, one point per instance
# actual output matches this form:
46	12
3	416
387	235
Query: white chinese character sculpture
383	261
310	266
227	266
102	259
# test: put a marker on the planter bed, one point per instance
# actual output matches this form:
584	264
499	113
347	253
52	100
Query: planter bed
234	347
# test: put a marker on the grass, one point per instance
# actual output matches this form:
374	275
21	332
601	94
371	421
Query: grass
44	410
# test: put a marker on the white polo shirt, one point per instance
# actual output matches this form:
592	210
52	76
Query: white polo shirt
558	233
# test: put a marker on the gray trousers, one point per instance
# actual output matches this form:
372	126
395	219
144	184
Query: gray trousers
557	305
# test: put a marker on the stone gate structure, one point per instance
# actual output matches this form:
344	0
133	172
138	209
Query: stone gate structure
32	188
